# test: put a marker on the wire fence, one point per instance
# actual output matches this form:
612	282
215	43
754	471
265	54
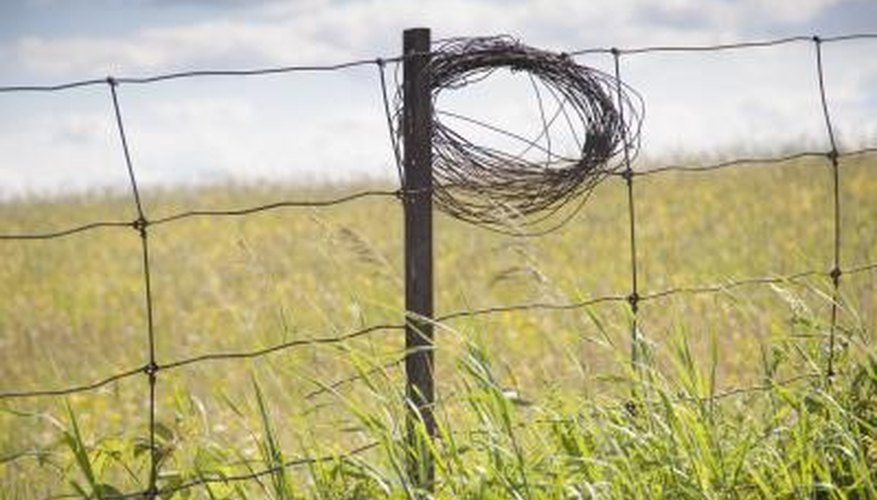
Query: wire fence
141	228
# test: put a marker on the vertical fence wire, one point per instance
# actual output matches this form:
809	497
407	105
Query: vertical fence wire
833	156
633	298
141	225
385	98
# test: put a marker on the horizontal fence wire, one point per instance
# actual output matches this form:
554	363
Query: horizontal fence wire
235	478
768	385
142	226
380	61
466	313
719	47
763	161
395	193
293	463
131	80
189	214
718	396
298	462
734	392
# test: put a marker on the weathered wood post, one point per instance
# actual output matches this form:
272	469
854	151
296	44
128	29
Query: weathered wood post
417	143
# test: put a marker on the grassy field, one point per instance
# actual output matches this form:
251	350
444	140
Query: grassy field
533	404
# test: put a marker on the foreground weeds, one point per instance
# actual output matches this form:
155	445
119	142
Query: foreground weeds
664	439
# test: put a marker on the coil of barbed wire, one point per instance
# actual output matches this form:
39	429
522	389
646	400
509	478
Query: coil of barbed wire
510	191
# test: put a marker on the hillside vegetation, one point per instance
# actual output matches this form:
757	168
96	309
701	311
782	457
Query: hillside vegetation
535	403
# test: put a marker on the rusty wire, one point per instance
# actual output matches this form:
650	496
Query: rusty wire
512	192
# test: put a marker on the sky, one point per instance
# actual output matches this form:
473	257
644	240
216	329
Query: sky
326	127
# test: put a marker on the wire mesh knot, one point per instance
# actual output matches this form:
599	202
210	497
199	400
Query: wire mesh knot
833	156
151	492
140	224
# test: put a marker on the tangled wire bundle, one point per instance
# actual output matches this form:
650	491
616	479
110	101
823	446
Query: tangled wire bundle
501	190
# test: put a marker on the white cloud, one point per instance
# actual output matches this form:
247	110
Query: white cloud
333	126
46	153
783	11
315	31
310	31
222	43
732	17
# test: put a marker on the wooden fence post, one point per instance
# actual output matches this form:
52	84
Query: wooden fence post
417	196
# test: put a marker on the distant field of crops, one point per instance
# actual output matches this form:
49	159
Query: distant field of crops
532	403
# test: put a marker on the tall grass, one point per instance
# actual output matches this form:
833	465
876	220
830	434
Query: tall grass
534	404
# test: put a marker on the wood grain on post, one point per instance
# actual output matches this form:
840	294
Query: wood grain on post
417	143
